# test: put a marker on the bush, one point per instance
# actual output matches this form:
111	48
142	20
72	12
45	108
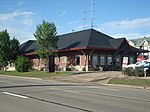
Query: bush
129	71
22	64
139	72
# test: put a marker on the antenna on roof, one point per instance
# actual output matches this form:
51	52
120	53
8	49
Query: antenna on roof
93	5
84	19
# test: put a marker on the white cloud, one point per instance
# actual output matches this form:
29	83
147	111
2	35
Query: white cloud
19	24
28	22
10	16
62	13
129	35
126	24
134	28
21	34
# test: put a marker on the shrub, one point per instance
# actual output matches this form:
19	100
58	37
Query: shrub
139	72
129	71
22	64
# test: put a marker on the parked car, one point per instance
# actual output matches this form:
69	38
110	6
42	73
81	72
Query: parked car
147	65
146	68
138	64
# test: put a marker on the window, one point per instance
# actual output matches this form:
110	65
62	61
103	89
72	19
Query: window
109	59
64	59
94	59
102	59
131	60
77	58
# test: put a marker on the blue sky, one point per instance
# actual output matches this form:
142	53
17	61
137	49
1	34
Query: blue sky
117	18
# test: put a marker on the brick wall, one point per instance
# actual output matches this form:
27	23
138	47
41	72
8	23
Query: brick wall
36	62
63	61
67	60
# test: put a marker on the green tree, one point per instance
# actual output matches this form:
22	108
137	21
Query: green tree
9	49
46	36
4	48
14	49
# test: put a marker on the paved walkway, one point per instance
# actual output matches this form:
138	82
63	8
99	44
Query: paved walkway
96	77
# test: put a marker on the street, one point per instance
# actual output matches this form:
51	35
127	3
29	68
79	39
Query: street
32	95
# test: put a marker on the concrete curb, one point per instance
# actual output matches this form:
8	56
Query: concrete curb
127	86
113	85
32	78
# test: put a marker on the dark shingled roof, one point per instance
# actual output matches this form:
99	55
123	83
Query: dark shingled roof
28	47
134	49
74	40
89	38
85	38
116	42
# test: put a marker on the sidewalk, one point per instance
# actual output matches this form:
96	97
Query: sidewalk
96	77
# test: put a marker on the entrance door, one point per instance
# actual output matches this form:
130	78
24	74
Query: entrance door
117	63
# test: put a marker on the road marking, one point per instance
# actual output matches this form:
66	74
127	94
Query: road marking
66	90
12	94
90	87
114	89
71	91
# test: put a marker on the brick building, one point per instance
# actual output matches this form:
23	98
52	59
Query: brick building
85	50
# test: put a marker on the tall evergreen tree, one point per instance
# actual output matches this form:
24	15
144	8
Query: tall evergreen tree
9	49
14	49
4	48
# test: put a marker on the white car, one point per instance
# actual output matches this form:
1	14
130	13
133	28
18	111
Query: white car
137	64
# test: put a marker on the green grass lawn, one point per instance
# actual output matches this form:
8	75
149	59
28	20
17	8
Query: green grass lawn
129	81
36	74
